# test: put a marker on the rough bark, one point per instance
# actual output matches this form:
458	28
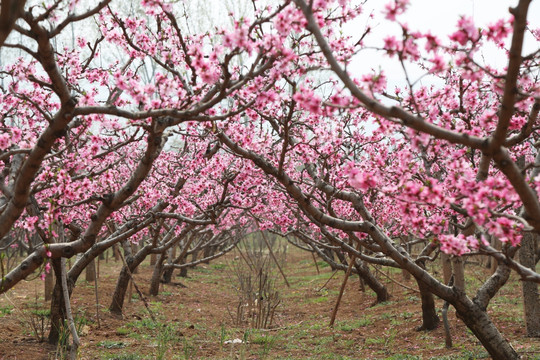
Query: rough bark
118	298
479	322
531	299
458	267
367	276
446	267
69	315
10	11
49	285
116	252
57	305
430	319
156	275
90	271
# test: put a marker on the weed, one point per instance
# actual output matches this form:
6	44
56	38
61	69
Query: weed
156	306
266	340
218	266
317	300
6	310
375	341
403	357
122	331
475	354
39	320
165	336
384	303
124	356
222	335
143	324
406	315
355	324
387	316
390	339
108	344
263	339
188	349
322	264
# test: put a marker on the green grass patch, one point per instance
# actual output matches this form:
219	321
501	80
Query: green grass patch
354	324
123	331
403	357
317	300
6	310
375	341
218	266
123	356
108	344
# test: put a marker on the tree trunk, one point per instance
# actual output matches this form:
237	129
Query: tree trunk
478	321
371	281
446	267
90	271
194	255
183	272
208	251
117	302
116	252
156	276
531	300
119	295
459	272
167	275
134	248
57	305
430	320
49	285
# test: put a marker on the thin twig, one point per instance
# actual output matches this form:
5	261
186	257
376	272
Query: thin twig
274	257
333	318
395	281
316	265
96	291
327	281
69	315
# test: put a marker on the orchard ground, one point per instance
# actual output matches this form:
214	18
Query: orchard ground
196	321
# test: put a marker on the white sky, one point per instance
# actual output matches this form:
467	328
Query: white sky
440	17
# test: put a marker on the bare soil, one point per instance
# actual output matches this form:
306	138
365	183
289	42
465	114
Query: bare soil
197	321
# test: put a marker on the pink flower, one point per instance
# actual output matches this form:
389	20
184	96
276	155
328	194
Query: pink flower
466	31
391	10
5	141
438	64
362	180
